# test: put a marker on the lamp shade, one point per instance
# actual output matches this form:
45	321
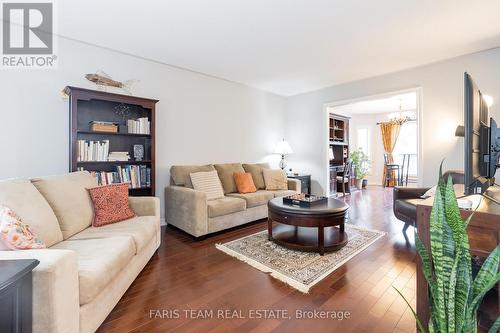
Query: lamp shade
283	148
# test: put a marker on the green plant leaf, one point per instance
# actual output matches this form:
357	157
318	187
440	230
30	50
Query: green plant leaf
462	289
495	327
452	293
476	301
437	223
488	270
419	323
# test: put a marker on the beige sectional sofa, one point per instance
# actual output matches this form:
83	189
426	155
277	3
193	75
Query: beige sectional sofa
189	210
84	271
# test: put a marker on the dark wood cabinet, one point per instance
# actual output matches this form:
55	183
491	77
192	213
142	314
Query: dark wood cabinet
87	106
16	295
338	146
305	182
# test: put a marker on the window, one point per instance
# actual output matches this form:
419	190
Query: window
363	141
407	144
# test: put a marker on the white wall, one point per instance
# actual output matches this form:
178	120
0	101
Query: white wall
442	94
200	119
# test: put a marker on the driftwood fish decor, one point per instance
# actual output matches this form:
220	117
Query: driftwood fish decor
103	80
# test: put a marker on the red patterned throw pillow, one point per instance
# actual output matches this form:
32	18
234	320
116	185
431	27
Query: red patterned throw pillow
110	204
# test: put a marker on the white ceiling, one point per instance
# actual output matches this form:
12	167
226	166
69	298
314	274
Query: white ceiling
407	101
286	46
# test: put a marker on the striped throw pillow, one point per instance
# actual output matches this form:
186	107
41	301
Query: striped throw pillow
208	182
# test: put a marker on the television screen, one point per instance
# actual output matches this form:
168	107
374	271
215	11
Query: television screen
476	136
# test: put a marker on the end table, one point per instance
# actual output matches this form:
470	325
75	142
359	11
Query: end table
305	181
16	295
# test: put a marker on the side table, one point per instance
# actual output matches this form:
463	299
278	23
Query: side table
305	182
16	295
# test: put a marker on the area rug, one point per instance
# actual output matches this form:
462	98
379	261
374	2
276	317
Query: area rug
300	270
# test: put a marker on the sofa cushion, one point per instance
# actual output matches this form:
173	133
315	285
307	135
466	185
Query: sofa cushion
181	173
257	174
254	199
69	199
275	179
226	175
99	262
225	206
142	229
25	200
282	193
208	182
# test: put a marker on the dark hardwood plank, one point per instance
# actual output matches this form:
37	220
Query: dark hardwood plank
189	274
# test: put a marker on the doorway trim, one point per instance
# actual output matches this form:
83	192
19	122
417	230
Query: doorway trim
419	112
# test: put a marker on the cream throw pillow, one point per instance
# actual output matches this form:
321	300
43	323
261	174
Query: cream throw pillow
275	179
209	183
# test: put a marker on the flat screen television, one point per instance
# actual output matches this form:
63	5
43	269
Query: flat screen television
482	140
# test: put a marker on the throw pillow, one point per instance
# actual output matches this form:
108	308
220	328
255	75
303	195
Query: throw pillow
275	179
14	234
209	183
110	204
226	172
257	174
244	182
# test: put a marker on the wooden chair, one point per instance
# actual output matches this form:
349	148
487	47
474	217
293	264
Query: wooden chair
389	168
346	176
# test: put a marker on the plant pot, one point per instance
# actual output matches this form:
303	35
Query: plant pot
359	182
364	183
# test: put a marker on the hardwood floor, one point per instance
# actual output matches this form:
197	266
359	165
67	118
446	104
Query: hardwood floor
194	275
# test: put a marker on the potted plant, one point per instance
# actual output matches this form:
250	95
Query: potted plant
455	295
361	165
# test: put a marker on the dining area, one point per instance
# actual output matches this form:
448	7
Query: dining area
397	169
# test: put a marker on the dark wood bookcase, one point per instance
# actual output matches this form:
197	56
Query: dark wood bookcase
338	143
87	105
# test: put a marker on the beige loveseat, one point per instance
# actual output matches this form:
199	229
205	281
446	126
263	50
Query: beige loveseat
189	210
84	271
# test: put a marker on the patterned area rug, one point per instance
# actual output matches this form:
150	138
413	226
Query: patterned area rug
300	270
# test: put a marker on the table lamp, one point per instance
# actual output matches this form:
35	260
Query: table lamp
283	148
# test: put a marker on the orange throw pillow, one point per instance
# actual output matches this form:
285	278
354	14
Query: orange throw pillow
244	182
110	204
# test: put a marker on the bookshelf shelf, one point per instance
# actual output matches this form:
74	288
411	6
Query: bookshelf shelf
113	134
87	106
115	162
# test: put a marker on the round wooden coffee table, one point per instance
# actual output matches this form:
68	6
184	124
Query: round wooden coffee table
319	228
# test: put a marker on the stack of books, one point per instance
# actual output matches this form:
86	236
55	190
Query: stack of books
139	126
119	156
103	126
136	176
93	151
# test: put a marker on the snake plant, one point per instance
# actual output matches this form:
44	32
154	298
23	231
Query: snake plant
455	295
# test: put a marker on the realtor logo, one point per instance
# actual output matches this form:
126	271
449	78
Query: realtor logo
28	35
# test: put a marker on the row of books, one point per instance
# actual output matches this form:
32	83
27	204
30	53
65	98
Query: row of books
139	126
136	176
93	150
